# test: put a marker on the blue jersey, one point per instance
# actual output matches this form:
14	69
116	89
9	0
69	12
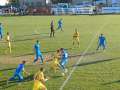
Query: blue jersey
64	58
20	68
64	55
0	29
60	22
102	40
37	49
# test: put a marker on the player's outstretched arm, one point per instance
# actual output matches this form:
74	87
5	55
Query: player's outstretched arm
25	72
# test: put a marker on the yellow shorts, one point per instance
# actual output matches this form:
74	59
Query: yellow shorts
39	86
55	65
9	44
76	39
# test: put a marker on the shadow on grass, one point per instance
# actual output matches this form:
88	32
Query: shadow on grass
50	51
118	81
28	78
33	34
58	76
7	84
98	61
70	56
7	69
87	54
29	39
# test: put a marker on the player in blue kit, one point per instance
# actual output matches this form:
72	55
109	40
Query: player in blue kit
101	42
18	72
38	52
64	59
60	25
1	31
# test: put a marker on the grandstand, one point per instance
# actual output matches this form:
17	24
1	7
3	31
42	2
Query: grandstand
63	7
88	6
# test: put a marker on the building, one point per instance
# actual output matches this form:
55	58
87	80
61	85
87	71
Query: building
76	1
39	3
105	2
34	3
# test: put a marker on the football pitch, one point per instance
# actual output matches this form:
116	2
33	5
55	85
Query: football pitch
96	70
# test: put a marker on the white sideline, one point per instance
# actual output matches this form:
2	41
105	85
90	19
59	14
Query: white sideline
73	69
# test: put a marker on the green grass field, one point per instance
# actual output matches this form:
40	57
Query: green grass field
97	70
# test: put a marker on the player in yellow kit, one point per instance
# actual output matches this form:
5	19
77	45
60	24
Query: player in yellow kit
55	62
9	41
57	54
76	37
39	80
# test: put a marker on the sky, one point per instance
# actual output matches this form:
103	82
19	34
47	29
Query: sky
3	2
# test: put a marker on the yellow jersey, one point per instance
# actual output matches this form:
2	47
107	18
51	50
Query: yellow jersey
38	84
76	34
55	64
39	76
8	38
9	43
55	61
57	55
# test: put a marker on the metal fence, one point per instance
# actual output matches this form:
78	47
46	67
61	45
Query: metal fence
85	10
71	11
61	11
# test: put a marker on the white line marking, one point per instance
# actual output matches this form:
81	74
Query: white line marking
73	69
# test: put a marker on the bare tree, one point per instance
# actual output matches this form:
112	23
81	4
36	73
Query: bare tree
14	2
61	1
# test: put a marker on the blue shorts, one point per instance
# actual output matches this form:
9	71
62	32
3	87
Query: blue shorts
0	33
18	75
60	26
102	44
38	56
64	62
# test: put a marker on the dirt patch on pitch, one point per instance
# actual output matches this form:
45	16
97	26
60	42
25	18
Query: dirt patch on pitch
15	60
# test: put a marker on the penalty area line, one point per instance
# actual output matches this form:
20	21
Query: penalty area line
74	68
